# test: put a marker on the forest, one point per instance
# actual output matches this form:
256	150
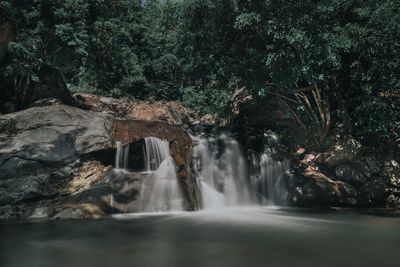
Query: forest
332	64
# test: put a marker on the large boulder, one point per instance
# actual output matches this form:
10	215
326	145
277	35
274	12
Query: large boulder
314	188
351	173
374	193
55	161
41	147
343	151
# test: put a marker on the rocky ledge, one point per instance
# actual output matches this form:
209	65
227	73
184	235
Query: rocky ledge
56	162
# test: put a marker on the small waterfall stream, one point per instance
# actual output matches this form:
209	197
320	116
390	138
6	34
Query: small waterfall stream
225	178
160	189
221	169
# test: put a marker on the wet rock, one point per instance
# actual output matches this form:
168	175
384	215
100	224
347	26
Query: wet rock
314	188
80	211
391	173
54	162
8	212
171	112
115	107
208	119
351	173
41	147
393	201
373	193
345	150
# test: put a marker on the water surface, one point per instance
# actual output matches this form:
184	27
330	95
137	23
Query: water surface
245	237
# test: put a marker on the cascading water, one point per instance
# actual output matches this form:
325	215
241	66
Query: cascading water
271	169
160	189
222	172
121	157
155	152
223	175
164	193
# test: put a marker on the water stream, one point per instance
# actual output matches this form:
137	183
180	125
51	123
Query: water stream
221	169
160	189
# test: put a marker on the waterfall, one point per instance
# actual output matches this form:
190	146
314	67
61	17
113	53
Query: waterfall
122	155
271	170
160	190
221	169
155	152
163	193
224	178
222	172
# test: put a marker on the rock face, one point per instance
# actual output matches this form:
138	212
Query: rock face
170	112
55	161
41	147
345	175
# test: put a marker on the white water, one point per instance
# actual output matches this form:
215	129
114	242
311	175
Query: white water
222	172
271	170
155	152
160	189
122	154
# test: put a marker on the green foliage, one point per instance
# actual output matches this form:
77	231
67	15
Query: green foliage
201	51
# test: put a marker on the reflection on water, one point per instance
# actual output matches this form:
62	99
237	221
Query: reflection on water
230	237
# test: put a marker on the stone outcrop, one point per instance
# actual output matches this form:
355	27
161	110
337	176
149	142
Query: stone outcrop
170	112
345	175
55	161
41	147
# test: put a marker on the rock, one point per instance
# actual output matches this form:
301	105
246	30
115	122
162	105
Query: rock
54	162
208	119
171	112
393	201
8	212
345	150
373	193
351	173
391	173
88	174
314	188
115	107
46	102
41	146
81	211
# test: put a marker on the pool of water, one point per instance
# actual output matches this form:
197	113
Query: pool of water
245	237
